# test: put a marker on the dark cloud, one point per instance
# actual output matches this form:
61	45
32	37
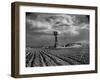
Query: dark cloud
40	27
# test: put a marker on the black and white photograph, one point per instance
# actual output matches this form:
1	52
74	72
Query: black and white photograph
52	39
55	39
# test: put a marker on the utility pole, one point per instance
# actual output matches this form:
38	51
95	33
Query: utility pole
56	40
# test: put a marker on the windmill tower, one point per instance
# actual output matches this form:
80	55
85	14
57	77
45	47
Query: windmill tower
56	39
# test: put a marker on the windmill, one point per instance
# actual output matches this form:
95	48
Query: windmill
56	39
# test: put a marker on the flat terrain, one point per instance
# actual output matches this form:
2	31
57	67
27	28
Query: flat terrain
38	57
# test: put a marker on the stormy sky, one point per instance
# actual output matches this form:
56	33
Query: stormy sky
70	27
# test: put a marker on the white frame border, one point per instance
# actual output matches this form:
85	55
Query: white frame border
38	70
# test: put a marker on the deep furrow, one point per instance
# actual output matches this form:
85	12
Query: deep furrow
46	58
56	59
37	59
41	59
33	59
32	56
63	60
27	53
69	60
76	60
50	62
28	57
44	61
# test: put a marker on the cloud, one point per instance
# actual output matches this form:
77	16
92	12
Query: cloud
62	23
71	28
